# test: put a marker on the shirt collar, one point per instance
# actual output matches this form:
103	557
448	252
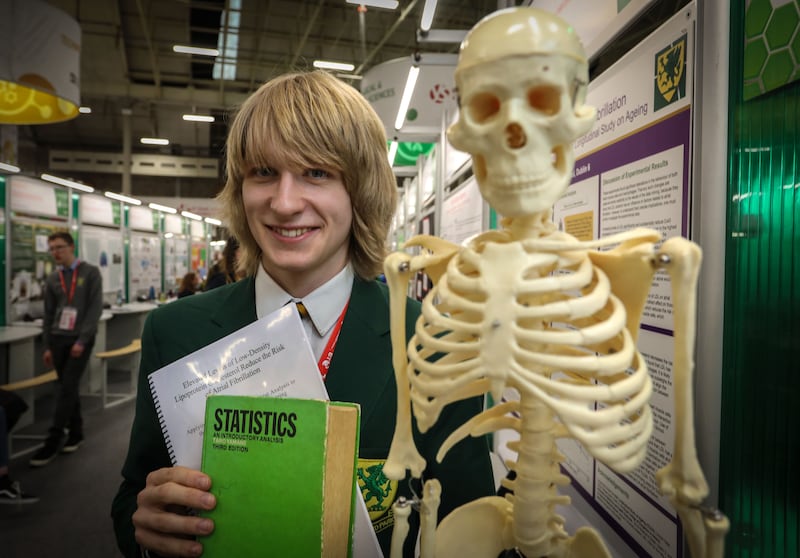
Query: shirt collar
71	267
324	304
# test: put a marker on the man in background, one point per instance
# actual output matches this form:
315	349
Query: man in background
73	303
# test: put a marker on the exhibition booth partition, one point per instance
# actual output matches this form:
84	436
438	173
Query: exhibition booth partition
141	253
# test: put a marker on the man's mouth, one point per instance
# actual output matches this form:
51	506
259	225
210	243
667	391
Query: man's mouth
291	233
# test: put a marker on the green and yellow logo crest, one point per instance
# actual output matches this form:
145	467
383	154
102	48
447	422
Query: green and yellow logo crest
377	490
670	70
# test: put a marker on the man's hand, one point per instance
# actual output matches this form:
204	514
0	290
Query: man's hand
161	521
76	350
47	358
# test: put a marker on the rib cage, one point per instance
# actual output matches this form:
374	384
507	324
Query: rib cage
555	332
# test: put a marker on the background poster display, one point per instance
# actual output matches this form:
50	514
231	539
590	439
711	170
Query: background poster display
462	213
105	248
176	260
144	259
633	170
30	265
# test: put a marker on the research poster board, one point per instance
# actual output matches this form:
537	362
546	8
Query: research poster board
462	212
101	241
105	248
31	263
38	209
144	261
633	170
176	260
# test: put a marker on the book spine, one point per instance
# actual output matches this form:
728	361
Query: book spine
162	421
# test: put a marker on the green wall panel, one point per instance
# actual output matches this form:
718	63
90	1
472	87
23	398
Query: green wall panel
760	433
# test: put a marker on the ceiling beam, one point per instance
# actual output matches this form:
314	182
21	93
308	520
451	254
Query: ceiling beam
153	58
206	98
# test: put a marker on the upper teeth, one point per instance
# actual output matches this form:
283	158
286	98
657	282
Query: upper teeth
291	232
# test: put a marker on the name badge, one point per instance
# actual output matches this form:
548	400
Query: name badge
69	315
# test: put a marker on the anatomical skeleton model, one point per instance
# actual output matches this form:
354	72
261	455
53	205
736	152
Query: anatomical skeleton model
534	309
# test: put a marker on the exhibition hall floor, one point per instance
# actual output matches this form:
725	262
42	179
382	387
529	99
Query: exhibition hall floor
72	518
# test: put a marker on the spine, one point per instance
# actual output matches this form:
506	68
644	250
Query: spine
161	421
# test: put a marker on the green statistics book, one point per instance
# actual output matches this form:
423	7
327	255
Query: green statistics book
283	471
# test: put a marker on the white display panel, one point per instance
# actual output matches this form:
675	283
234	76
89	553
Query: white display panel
105	248
144	259
462	213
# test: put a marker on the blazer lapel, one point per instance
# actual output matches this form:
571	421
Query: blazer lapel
358	371
238	308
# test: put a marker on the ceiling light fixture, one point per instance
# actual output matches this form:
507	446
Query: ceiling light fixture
9	167
190	215
164	208
405	100
168	235
392	151
350	76
427	15
120	197
154	141
67	183
85	110
329	65
387	4
183	49
212	221
198	118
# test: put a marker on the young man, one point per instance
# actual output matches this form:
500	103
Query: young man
73	303
310	195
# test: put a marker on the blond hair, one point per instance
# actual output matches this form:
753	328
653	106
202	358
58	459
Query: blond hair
313	120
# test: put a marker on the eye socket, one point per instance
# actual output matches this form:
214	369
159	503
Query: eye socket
545	99
483	106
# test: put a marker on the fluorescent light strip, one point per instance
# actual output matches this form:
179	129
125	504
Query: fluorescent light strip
85	110
120	197
408	92
183	49
388	4
154	141
212	221
329	65
349	76
67	183
164	208
217	243
198	118
9	167
168	235
392	152
427	15
191	215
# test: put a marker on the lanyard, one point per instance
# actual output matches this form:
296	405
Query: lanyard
327	354
71	292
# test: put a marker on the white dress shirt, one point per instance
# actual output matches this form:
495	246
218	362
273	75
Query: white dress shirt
324	305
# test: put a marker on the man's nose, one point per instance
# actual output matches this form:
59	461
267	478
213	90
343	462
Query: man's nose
288	196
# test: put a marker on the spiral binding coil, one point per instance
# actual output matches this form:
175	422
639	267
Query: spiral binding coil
162	423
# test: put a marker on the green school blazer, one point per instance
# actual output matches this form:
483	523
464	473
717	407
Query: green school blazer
361	372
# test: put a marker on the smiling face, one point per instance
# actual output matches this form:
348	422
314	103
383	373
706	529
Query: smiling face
301	220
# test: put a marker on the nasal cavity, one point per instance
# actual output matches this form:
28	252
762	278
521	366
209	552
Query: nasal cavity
515	136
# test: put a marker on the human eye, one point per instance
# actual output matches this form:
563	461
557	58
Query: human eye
262	172
318	174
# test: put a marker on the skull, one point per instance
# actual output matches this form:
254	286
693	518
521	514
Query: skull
521	77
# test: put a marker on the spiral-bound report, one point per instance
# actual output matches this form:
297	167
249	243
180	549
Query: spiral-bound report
270	357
